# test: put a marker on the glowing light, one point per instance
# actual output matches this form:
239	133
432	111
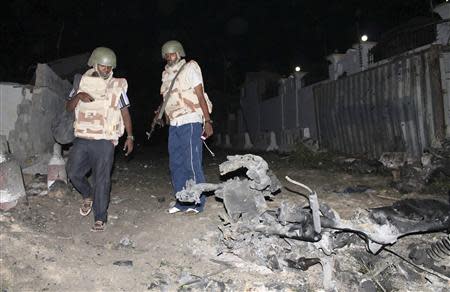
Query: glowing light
297	69
364	38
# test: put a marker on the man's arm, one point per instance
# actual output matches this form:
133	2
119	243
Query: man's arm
208	129
71	104
129	143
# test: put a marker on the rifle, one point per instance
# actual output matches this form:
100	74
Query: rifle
158	119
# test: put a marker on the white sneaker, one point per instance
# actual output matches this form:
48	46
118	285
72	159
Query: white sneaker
192	211
173	210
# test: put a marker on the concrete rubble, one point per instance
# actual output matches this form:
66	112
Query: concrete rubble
295	236
32	134
11	181
411	175
26	130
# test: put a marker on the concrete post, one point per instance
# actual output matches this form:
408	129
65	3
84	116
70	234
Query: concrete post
298	84
443	29
273	142
218	139
56	167
334	69
247	142
227	141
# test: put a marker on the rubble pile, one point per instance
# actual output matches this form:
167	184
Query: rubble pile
353	254
410	175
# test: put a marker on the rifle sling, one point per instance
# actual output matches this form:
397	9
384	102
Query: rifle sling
167	95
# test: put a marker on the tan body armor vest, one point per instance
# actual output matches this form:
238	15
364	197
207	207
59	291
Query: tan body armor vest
101	118
183	99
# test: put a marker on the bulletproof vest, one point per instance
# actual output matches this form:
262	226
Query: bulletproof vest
101	118
183	99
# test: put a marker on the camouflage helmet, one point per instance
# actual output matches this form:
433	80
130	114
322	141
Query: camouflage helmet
172	47
102	56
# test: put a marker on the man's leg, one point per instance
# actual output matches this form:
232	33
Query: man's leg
194	158
176	163
189	159
78	166
102	160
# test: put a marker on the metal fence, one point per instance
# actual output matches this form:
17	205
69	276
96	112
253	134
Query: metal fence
397	106
402	105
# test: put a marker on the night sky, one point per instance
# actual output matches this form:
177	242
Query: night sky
227	38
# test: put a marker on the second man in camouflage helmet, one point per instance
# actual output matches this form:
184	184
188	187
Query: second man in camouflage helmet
188	111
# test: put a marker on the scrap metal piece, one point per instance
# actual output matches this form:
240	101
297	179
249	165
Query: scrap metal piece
383	226
242	197
291	213
302	263
192	192
313	203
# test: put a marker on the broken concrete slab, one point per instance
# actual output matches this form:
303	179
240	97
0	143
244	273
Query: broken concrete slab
257	171
32	129
12	187
36	164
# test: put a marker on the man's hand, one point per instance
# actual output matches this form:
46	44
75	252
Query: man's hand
84	97
72	103
207	130
128	147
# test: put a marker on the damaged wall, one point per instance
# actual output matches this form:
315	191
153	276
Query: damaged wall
11	95
32	135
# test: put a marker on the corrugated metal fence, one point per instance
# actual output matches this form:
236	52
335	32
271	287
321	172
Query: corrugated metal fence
397	106
402	105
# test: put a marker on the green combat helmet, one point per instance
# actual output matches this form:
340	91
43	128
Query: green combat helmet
102	56
172	47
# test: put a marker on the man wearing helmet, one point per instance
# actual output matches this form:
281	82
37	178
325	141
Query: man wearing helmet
101	106
188	108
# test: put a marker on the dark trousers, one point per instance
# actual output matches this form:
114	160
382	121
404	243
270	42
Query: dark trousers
185	159
98	156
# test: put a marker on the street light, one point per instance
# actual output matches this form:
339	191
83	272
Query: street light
364	38
297	69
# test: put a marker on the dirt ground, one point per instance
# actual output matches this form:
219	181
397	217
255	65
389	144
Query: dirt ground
47	246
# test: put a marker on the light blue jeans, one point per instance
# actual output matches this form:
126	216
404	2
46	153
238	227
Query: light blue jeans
185	159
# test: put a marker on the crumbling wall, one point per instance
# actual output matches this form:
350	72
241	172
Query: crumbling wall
32	135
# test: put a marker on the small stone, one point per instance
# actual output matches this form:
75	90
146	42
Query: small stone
123	263
127	242
8	205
